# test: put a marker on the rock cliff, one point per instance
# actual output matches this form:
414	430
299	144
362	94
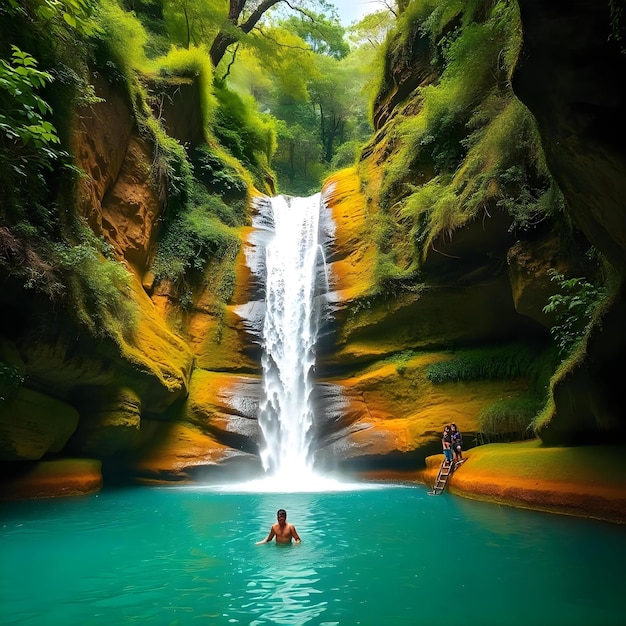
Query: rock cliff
177	399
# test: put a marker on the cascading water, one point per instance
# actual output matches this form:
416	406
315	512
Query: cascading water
292	269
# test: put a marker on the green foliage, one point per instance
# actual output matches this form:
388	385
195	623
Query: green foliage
150	14
75	13
313	91
249	135
23	112
120	43
99	286
324	35
498	363
221	177
371	30
573	307
463	145
193	62
509	419
346	155
192	240
232	214
31	158
171	170
506	166
193	22
472	64
29	143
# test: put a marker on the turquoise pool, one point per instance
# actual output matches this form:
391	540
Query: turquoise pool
388	555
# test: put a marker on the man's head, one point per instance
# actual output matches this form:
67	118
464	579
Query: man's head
281	515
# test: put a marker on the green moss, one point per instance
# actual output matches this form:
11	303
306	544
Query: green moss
461	144
191	241
249	135
215	173
99	286
193	62
119	43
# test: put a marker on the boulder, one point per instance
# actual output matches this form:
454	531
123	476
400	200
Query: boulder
33	424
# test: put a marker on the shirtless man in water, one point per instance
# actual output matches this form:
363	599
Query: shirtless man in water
283	531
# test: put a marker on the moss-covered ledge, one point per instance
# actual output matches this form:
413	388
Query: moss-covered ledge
585	481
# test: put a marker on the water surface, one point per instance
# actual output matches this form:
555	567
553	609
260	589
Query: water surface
391	555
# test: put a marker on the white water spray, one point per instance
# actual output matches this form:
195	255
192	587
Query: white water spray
293	258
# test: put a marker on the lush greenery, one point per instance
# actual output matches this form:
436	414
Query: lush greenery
281	103
281	97
511	418
472	149
573	308
42	245
497	363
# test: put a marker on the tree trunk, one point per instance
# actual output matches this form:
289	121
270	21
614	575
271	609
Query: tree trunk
227	37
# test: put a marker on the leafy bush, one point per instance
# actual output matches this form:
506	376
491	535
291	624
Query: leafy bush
347	155
120	42
28	140
22	116
232	214
573	308
171	170
216	174
193	239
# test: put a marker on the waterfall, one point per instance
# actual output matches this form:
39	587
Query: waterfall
294	268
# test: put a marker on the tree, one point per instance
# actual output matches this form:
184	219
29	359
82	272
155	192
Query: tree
244	15
238	22
324	35
192	22
329	94
372	30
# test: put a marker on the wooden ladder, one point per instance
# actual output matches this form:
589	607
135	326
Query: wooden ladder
445	471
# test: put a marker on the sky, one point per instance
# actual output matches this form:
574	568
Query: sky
352	10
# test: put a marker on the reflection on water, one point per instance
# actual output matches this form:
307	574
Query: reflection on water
186	557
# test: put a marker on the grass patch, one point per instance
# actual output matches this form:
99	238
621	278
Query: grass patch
507	420
497	363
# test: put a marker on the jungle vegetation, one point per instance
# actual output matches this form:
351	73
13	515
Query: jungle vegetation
282	100
288	95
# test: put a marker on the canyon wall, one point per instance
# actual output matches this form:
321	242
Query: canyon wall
178	399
